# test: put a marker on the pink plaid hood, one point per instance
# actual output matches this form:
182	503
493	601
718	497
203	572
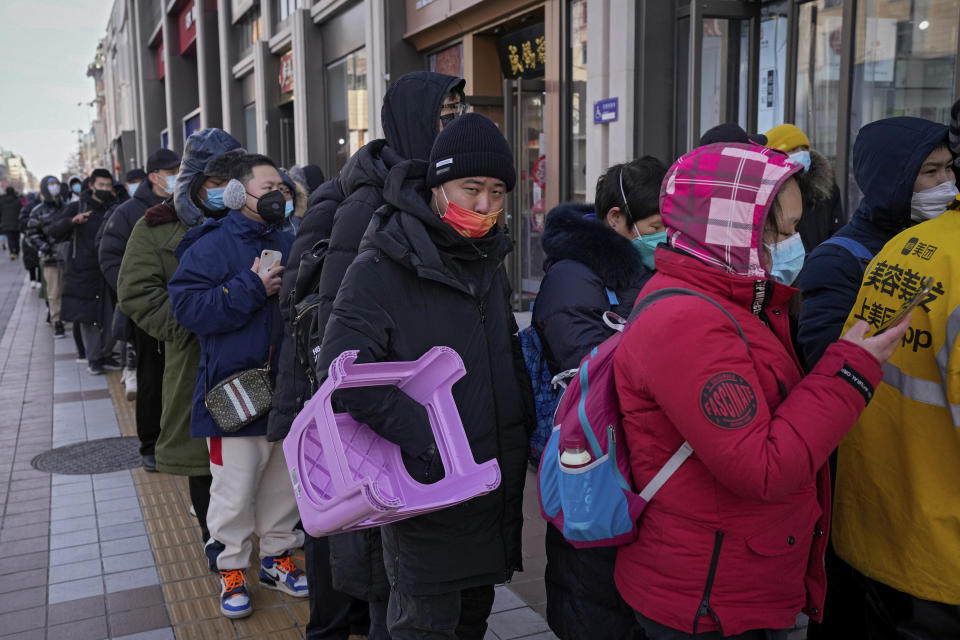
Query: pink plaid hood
715	199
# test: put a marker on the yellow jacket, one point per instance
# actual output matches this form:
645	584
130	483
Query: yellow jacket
897	504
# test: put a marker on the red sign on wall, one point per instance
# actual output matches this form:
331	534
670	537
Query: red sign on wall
187	27
286	72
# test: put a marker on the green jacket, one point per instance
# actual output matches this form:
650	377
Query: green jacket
148	264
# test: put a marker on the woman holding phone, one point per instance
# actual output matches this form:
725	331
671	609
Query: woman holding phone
733	544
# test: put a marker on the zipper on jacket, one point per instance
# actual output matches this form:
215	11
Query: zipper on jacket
705	607
483	312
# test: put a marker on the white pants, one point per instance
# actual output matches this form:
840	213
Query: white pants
251	493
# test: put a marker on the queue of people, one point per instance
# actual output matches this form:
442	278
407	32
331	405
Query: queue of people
825	450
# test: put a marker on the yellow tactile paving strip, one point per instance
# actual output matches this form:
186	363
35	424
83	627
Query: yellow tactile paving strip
191	592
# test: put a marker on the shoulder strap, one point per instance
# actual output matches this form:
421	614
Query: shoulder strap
851	245
669	292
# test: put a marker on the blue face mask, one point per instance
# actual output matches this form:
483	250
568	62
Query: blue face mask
288	208
172	183
647	245
214	199
801	158
75	187
788	258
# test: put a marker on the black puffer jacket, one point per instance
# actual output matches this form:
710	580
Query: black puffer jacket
417	284
293	387
586	260
31	259
84	289
348	201
9	213
43	217
112	242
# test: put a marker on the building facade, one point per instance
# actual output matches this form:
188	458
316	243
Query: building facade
575	85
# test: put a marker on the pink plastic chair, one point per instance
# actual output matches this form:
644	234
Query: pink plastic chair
346	477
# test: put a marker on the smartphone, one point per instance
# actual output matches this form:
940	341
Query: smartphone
269	259
925	287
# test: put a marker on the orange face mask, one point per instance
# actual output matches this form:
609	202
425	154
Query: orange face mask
467	223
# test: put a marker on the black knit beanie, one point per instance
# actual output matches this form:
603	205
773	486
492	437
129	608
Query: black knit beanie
471	146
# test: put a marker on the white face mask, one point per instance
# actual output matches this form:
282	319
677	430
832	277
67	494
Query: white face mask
930	203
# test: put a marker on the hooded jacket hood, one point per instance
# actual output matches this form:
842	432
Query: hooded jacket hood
817	184
411	112
199	149
45	190
887	157
408	231
715	201
572	232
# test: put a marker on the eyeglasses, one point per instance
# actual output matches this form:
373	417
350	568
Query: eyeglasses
455	110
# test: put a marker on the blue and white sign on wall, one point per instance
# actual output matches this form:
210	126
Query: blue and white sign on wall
605	111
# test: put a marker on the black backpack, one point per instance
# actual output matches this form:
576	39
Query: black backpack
303	303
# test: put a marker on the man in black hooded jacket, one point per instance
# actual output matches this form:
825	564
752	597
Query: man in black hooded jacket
414	110
430	272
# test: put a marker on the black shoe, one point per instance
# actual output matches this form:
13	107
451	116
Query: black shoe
95	368
58	330
111	364
149	463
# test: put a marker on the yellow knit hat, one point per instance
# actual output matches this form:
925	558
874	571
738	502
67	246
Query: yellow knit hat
786	137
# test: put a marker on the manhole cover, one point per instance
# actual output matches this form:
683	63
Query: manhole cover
95	456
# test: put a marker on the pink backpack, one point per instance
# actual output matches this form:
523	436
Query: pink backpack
584	479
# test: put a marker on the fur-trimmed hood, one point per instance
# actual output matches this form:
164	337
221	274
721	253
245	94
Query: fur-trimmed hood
163	213
572	233
817	184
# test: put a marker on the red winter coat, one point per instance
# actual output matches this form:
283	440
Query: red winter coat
735	539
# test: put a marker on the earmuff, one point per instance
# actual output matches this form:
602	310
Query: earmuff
234	195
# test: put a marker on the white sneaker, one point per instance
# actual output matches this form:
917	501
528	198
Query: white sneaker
129	380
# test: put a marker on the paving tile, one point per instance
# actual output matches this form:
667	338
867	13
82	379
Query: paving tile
113	493
90	629
25	544
139	620
124	545
73	538
123	516
516	623
85	588
69	478
73	524
29	495
505	600
157	634
72	610
80	497
75	571
78	553
128	561
59	490
134	598
67	511
31	517
119	504
29	505
16	622
18	485
23	599
22	580
118	531
23	563
131	579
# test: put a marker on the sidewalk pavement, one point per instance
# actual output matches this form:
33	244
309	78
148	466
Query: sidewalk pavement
117	555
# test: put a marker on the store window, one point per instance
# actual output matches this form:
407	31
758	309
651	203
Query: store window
347	107
819	45
579	113
724	60
772	65
904	63
250	28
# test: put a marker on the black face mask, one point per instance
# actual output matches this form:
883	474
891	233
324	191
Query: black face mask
271	207
103	195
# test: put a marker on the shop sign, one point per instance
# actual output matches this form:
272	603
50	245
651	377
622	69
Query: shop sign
605	111
523	54
286	72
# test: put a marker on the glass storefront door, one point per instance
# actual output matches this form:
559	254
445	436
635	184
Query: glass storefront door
526	213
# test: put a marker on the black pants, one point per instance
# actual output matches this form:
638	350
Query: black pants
844	610
78	340
657	631
13	242
456	615
200	499
335	615
149	390
894	615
